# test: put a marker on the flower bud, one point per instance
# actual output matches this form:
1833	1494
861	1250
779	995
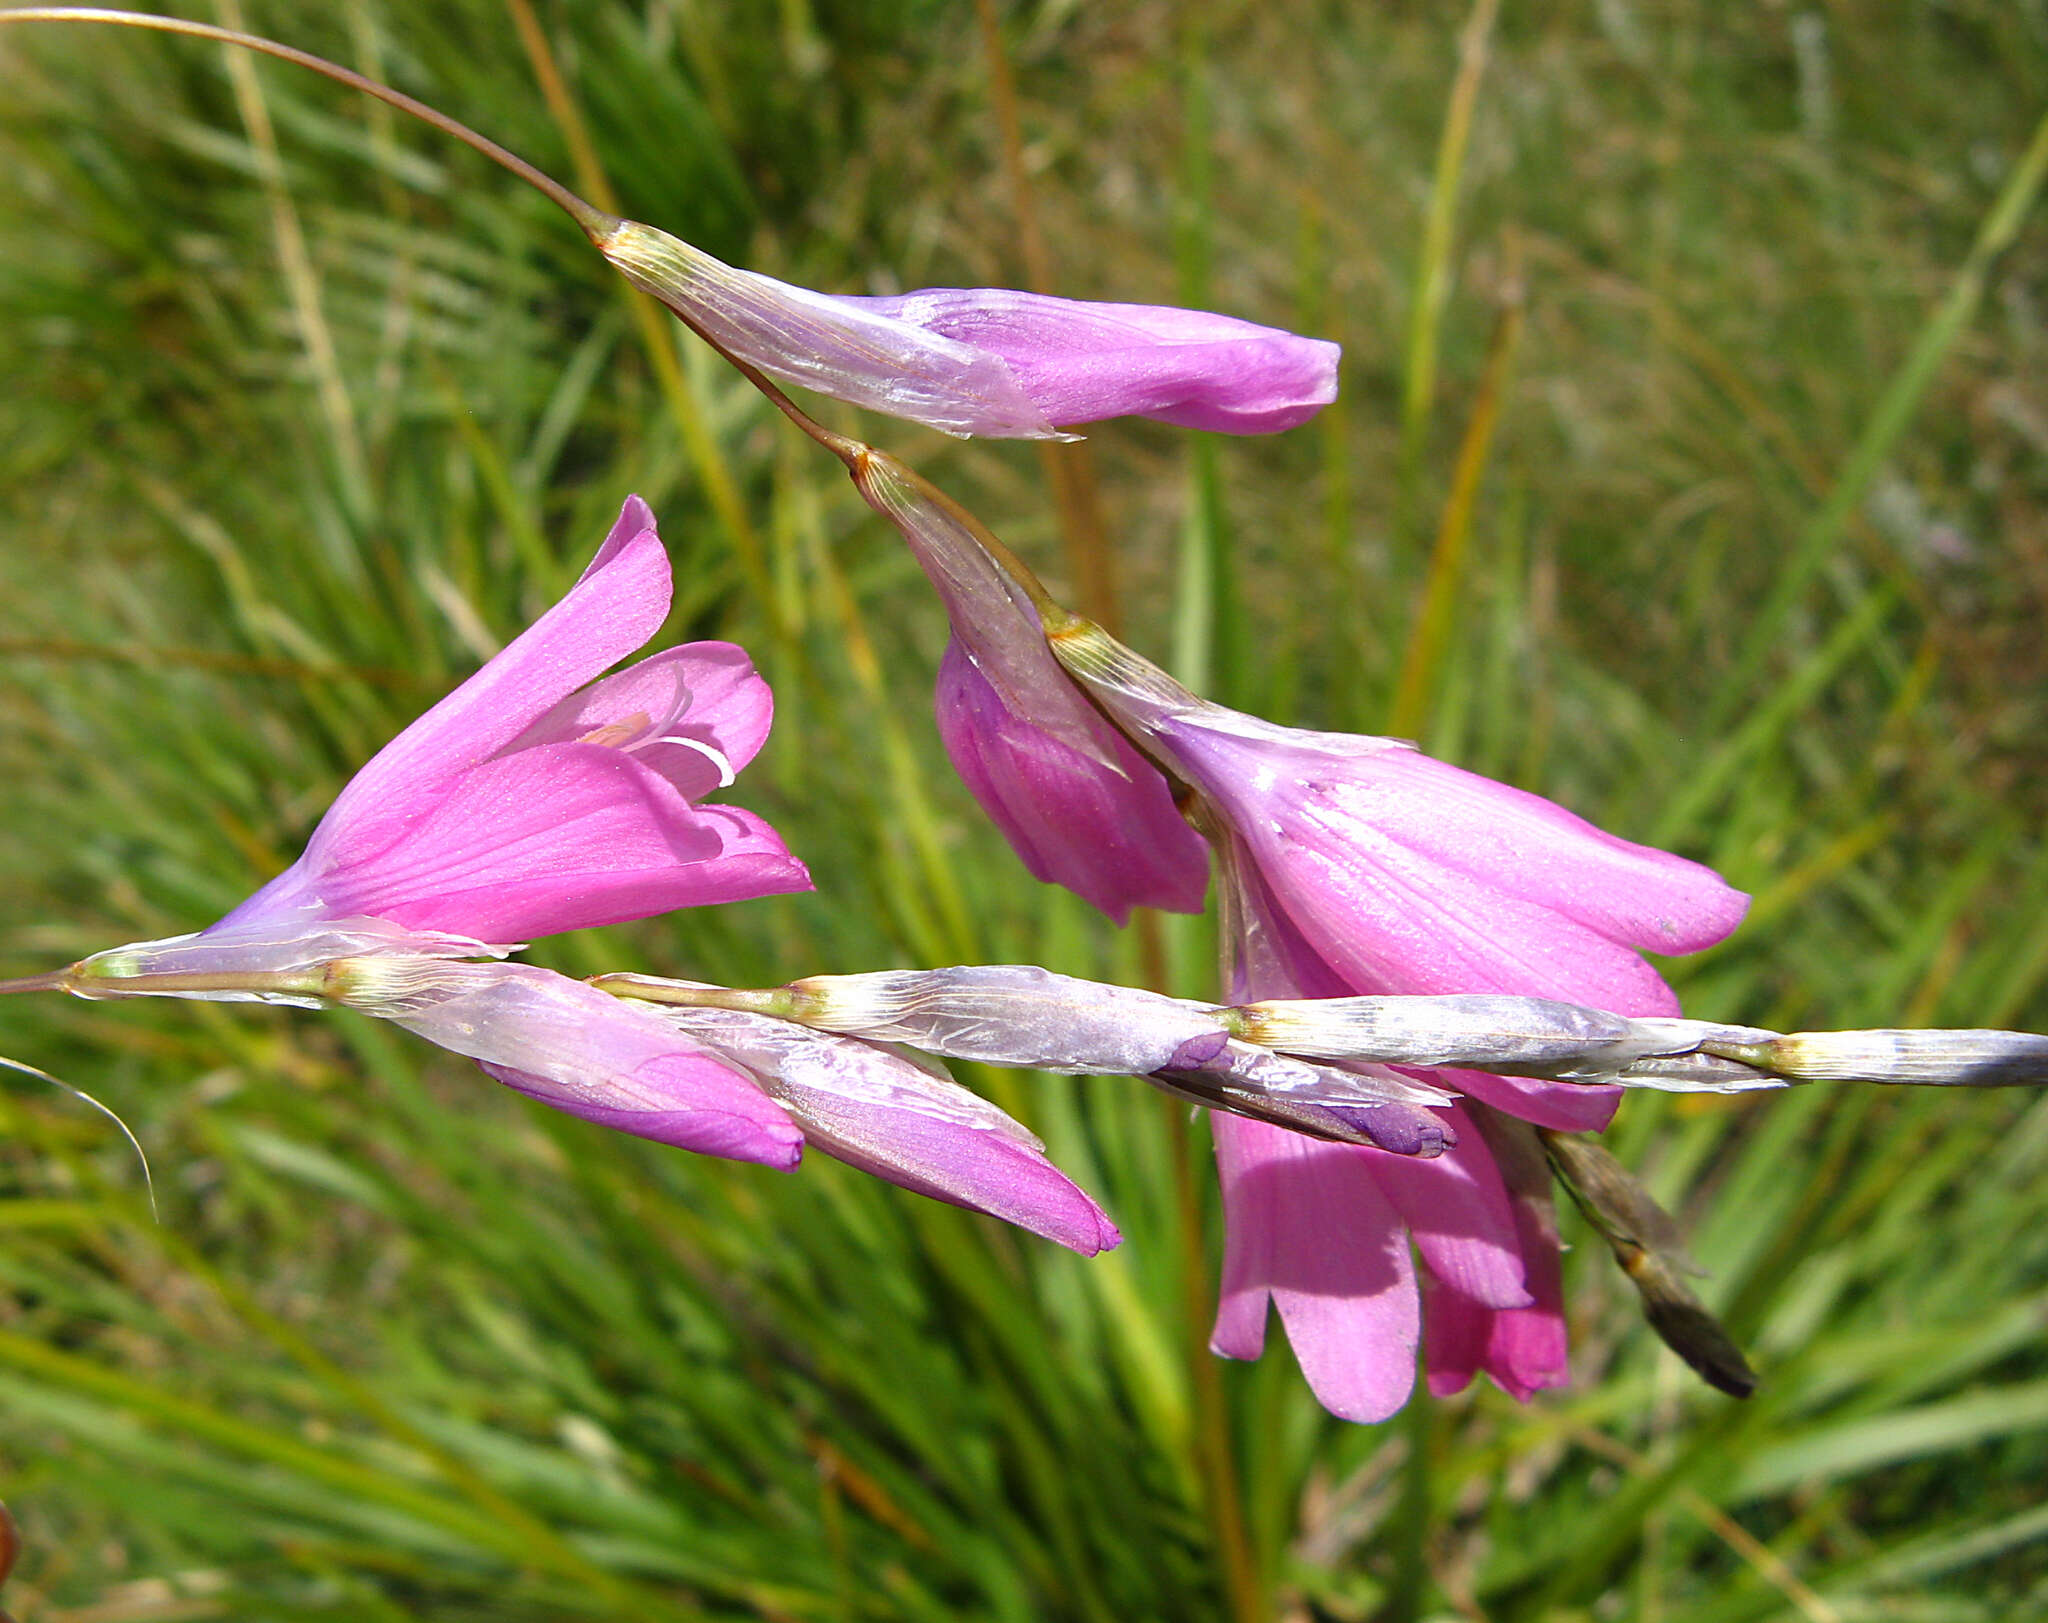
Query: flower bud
1016	1014
1955	1059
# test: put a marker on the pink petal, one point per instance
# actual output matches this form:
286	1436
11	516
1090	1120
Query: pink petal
1523	1349
705	692
580	1050
559	837
1407	875
618	603
1306	1228
1457	1209
1116	842
1390	920
875	1109
1080	362
1565	1107
1533	848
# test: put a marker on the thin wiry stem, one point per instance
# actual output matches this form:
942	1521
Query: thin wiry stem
596	223
56	981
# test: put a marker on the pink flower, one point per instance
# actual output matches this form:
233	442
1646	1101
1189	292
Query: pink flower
989	360
523	804
1108	832
526	803
722	1082
876	1108
1359	866
1077	803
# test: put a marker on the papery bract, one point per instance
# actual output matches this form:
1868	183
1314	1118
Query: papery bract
989	360
876	1109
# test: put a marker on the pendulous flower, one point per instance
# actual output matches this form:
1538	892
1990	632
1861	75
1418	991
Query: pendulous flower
989	361
1359	866
1077	803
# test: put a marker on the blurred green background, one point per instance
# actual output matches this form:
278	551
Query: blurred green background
1692	469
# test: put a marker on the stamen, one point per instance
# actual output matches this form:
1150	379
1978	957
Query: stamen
613	734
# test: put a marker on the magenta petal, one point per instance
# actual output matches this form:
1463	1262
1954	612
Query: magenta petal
1457	1209
1080	362
1533	848
963	1165
1523	1349
707	695
1117	842
553	838
1390	920
875	1109
618	603
577	1049
1306	1228
1411	876
697	1129
1565	1107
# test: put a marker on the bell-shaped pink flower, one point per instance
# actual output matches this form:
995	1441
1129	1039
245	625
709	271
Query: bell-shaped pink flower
1359	866
1079	806
526	803
988	360
1323	1232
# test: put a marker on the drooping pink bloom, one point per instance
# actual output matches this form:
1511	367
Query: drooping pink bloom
1359	866
1323	1232
1109	833
1077	803
989	360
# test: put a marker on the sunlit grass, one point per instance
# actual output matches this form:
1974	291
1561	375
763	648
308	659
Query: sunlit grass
404	1347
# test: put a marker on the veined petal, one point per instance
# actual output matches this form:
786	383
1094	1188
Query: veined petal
1390	919
1526	846
1306	1228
